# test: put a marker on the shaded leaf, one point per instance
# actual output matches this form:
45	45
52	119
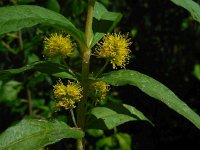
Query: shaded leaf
97	37
191	6
10	90
124	141
196	71
14	18
104	20
112	115
53	5
154	89
34	134
43	66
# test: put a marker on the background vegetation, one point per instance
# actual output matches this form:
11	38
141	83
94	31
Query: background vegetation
165	46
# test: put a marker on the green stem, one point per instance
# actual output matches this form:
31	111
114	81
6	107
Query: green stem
29	102
73	118
102	69
86	52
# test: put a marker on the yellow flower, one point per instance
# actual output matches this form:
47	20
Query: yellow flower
115	48
67	95
59	90
58	45
99	90
66	103
74	90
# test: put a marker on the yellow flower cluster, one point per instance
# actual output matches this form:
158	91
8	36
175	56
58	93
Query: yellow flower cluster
68	95
115	48
99	90
58	45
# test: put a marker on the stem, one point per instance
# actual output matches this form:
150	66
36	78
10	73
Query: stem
73	118
29	101
20	40
102	69
86	52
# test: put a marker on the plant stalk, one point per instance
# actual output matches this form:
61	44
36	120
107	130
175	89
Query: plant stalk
86	52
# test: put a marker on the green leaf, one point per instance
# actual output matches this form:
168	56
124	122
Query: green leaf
191	6
124	140
106	143
48	67
95	132
97	37
112	115
10	90
104	20
53	5
30	134
196	71
14	18
154	89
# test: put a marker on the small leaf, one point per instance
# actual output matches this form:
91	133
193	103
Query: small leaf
191	6
196	71
43	66
154	89
53	5
95	132
97	37
34	134
104	21
112	115
14	18
10	90
124	140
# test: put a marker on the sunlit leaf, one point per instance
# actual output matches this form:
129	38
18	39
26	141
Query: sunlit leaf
154	89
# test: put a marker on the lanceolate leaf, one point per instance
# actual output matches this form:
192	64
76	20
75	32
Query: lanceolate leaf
34	134
154	89
191	6
112	115
48	67
14	18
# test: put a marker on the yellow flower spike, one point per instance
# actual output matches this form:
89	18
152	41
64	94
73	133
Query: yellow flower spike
99	90
58	44
68	95
115	48
59	90
74	90
66	103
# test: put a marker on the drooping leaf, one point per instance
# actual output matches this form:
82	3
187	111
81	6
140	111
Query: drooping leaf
112	115
104	20
30	134
191	6
48	67
14	18
154	89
